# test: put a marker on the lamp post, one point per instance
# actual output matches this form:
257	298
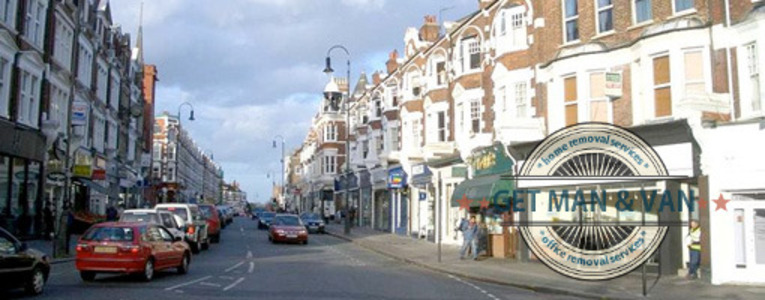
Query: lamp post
282	161
191	113
329	92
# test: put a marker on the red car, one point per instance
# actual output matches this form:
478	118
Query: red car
213	221
130	248
287	228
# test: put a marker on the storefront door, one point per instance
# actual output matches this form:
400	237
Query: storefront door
749	234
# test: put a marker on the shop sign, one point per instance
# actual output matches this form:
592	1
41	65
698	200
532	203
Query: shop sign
459	172
82	170
613	83
396	178
56	177
80	112
490	161
99	174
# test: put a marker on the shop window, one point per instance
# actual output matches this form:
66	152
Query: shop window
17	186
571	20
33	182
5	77
662	87
570	100
598	99
694	73
643	11
5	183
605	15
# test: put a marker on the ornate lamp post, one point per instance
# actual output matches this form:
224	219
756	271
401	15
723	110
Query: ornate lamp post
330	91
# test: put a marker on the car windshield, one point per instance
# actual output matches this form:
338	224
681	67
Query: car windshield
287	221
178	211
138	217
102	234
267	215
311	216
207	211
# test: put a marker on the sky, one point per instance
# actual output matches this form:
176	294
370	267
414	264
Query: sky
252	69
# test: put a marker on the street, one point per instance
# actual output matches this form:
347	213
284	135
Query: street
245	265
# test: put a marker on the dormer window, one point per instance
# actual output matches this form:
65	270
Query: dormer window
469	57
511	29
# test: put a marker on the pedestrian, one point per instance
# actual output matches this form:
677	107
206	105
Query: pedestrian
694	249
469	239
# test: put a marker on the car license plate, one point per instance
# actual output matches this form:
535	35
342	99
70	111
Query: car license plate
99	249
292	236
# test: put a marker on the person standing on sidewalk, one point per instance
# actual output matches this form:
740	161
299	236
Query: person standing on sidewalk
694	247
469	239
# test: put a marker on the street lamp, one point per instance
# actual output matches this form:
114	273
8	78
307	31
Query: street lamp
191	113
282	161
332	90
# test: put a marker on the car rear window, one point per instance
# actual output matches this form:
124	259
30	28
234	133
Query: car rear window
207	211
268	215
311	216
139	217
178	211
287	221
103	234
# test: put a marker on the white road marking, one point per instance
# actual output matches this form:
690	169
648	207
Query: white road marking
187	283
234	266
209	284
478	288
249	254
226	277
230	286
252	267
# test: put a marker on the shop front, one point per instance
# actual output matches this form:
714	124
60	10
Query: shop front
21	184
399	191
365	188
381	200
448	172
478	196
424	214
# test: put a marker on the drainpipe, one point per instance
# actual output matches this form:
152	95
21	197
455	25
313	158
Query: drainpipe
728	65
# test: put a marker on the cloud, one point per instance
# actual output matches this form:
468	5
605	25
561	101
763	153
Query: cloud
252	68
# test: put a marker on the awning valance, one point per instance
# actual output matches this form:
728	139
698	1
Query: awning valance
478	188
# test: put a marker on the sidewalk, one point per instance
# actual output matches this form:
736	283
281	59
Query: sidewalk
536	276
46	246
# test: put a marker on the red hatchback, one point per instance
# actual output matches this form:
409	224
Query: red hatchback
287	228
213	221
132	248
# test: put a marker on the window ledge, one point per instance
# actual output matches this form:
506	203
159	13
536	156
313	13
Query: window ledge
604	34
640	25
681	14
569	44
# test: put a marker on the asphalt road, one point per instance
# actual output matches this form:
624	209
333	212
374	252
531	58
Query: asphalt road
246	266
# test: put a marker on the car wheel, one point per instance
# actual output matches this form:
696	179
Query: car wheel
184	267
36	282
305	242
195	247
148	270
216	238
206	244
87	275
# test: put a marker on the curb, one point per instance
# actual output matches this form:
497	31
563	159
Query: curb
533	288
61	260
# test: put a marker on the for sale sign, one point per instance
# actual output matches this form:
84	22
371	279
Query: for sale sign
613	87
80	113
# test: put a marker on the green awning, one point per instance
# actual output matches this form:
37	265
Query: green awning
483	187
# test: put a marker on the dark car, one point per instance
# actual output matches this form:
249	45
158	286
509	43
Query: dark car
312	222
21	266
287	228
265	219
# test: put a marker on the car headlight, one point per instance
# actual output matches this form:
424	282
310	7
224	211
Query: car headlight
279	231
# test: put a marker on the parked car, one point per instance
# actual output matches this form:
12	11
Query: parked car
220	213
130	248
265	219
287	228
313	222
21	266
228	214
170	221
214	222
194	224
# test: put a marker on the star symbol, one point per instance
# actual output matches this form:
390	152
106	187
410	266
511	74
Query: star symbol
484	203
703	204
721	203
464	202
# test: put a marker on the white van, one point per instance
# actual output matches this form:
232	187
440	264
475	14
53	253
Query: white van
194	225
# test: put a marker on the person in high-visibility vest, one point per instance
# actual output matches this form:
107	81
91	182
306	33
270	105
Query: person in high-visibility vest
694	249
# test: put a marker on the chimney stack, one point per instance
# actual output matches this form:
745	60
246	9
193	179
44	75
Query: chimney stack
392	63
429	29
376	78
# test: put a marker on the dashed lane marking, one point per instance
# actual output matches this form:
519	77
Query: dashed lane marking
226	277
252	267
234	266
478	288
187	283
209	284
231	286
249	254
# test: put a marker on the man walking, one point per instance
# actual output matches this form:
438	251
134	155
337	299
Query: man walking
469	236
694	247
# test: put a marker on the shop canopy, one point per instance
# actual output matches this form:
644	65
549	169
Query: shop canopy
483	187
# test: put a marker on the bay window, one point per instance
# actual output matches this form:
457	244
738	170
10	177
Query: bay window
662	87
29	98
475	116
570	100
598	100
694	72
